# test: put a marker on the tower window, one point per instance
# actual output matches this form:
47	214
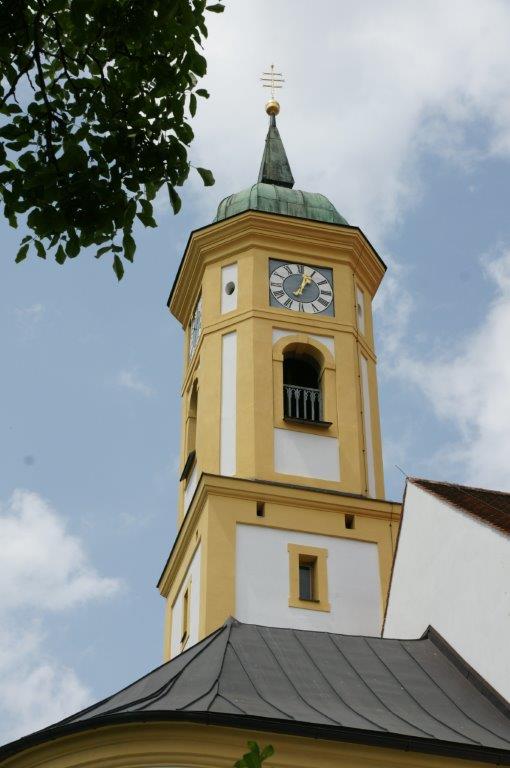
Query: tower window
308	578
301	388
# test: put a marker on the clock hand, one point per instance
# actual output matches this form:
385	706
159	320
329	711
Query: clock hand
304	282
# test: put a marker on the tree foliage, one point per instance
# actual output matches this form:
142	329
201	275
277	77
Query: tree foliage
96	98
255	757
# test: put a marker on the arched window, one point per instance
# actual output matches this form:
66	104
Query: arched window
191	433
301	387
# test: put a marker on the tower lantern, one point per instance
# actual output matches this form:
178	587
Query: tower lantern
282	517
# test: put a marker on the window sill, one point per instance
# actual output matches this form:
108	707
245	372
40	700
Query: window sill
308	422
310	605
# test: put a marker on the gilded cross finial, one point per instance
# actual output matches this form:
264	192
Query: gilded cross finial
272	80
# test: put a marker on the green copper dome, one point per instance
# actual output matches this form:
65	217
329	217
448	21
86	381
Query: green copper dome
272	198
273	192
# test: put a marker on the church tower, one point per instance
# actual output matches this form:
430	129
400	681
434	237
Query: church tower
282	518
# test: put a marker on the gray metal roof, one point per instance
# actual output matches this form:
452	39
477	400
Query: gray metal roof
409	694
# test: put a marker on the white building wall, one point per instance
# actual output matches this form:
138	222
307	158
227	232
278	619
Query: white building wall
367	426
193	574
228	404
228	300
453	572
191	486
328	341
262	582
301	453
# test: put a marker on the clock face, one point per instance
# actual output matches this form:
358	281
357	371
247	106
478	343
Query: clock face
301	288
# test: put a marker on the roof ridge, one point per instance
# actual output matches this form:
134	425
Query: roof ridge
418	703
454	703
413	479
469	672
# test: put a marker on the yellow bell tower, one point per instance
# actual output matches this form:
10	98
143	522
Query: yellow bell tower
282	518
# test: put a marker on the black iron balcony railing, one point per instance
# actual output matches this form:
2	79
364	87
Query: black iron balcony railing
302	403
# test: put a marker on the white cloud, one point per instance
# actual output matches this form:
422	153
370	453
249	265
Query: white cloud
35	690
371	87
42	565
468	385
43	568
130	379
30	314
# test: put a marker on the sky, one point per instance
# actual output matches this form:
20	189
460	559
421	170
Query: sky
399	112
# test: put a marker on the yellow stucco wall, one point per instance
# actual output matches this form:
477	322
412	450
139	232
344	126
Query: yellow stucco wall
220	503
168	744
249	241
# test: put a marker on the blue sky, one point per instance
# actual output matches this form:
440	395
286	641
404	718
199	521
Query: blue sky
400	115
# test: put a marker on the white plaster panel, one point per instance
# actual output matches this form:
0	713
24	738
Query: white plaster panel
228	404
191	486
301	453
192	573
367	425
228	301
262	582
360	309
328	341
453	572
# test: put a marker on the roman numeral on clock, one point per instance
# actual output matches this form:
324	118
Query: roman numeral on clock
301	269
289	303
325	293
278	294
323	301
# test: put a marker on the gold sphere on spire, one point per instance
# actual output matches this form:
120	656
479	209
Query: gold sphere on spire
272	107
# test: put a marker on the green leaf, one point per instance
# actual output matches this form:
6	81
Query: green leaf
174	198
207	177
60	255
41	250
216	8
22	253
266	752
145	215
103	250
73	246
192	104
129	246
202	92
118	267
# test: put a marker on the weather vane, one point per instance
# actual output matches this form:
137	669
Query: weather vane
272	80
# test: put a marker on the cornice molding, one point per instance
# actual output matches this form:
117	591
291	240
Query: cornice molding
297	496
255	229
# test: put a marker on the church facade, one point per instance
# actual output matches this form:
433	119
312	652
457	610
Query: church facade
283	524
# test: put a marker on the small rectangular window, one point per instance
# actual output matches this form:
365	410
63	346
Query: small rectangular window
306	581
349	521
261	511
360	309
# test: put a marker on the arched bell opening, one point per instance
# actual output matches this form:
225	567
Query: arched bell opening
302	396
